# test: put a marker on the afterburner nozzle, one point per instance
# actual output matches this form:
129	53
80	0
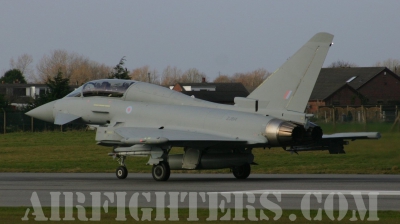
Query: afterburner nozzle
281	133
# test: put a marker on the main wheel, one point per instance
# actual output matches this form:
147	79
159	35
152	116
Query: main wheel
161	171
241	172
121	172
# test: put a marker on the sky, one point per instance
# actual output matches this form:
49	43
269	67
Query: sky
214	36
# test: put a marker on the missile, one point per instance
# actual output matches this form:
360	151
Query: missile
147	140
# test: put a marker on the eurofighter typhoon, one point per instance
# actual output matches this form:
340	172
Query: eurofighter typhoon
142	119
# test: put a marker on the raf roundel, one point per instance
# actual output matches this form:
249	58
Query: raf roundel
128	110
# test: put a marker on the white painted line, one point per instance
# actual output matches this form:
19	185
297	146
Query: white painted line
323	192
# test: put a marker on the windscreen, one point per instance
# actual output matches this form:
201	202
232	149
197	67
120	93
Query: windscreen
103	87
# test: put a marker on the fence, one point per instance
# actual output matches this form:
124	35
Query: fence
18	121
360	114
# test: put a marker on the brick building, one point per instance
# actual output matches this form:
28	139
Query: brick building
355	87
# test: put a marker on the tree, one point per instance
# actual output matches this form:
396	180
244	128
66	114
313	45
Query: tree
392	64
98	71
119	72
251	80
58	88
3	102
192	75
342	64
223	79
171	76
50	65
13	76
23	64
144	74
77	68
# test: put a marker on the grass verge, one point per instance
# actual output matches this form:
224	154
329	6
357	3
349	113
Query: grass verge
15	214
76	151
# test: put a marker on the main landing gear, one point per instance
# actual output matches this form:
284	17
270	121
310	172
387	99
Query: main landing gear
161	171
161	167
241	172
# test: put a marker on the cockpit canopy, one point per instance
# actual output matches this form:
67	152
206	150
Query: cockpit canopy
102	87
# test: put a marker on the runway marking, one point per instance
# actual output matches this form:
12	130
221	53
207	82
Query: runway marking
324	192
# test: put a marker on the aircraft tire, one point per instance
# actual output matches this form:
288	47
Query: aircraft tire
121	172
241	172
161	172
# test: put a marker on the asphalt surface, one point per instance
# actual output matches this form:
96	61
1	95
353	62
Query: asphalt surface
289	191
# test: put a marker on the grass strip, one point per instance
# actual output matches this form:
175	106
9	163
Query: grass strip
15	214
77	152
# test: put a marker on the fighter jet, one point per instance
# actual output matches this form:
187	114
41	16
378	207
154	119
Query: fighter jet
141	119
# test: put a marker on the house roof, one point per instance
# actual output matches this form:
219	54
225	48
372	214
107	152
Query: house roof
332	79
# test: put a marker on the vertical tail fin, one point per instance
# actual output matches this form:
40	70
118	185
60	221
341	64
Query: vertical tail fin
290	87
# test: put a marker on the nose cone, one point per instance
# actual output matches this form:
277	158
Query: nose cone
44	112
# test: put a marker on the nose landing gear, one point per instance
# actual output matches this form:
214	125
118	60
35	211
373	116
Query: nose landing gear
122	171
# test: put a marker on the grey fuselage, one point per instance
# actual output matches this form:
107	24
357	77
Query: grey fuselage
244	126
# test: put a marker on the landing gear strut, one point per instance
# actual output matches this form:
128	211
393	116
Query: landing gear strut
241	172
161	171
121	171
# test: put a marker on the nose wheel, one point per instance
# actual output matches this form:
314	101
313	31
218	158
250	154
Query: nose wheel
121	172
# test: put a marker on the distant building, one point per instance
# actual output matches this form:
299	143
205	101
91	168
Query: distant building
18	93
355	86
22	93
214	92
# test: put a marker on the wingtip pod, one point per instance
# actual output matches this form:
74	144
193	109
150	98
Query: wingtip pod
353	135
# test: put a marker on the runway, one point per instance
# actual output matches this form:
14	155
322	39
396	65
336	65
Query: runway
288	191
